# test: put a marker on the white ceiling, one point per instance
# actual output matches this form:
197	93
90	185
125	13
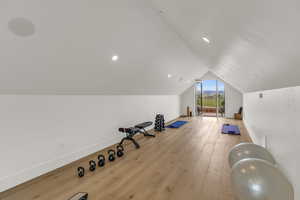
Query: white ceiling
254	45
74	40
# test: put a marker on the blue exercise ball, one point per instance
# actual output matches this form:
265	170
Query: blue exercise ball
249	150
256	179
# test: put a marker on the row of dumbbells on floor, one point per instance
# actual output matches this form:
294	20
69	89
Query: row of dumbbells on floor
119	152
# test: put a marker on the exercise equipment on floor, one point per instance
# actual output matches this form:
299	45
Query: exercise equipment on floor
159	123
256	179
101	160
230	129
177	124
255	175
142	127
111	155
80	196
249	150
80	171
132	131
92	165
120	150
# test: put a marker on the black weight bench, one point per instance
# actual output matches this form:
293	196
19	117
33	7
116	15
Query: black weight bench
130	132
142	127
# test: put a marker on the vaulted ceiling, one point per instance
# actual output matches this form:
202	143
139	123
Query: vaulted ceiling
69	50
66	46
253	44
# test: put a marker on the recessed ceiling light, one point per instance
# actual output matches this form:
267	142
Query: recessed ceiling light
169	75
21	27
115	58
205	39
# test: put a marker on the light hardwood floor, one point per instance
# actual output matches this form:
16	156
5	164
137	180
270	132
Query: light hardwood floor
186	163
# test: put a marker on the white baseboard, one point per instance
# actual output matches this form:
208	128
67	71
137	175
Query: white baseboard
43	168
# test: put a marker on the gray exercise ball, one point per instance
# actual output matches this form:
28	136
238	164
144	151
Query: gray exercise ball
249	150
256	179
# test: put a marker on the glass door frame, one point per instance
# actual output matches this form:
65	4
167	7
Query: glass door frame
201	113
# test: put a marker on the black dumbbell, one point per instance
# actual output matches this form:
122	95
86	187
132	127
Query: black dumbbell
120	150
101	160
92	165
111	155
80	171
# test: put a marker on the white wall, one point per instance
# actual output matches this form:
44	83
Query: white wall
187	98
233	98
46	132
276	118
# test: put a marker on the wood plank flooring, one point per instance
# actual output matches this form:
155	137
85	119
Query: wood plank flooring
186	163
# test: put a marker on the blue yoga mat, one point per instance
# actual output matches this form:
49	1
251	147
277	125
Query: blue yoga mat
177	124
230	129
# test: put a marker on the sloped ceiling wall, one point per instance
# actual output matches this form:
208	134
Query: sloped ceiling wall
253	44
66	46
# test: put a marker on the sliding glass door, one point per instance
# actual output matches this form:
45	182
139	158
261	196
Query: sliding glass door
198	100
210	98
221	99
